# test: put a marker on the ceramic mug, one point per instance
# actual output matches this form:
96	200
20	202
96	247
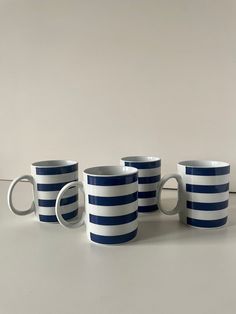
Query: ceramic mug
111	194
149	174
203	193
47	179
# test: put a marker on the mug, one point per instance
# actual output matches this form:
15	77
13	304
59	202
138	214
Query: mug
149	174
47	179
111	194
203	193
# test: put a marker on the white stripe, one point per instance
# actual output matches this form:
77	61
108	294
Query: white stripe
116	190
147	201
52	195
147	187
112	211
207	215
207	197
51	210
206	180
149	172
112	230
57	178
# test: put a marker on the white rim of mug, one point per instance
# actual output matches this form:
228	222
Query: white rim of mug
140	158
203	163
54	163
120	171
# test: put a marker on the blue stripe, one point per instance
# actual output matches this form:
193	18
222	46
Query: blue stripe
208	171
109	181
51	187
109	221
207	206
56	170
64	201
147	194
146	180
147	209
206	223
113	200
53	218
194	188
143	165
113	239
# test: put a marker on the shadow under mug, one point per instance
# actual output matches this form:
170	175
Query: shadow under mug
111	204
47	179
203	193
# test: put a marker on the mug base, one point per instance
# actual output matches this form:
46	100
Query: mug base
205	224
120	239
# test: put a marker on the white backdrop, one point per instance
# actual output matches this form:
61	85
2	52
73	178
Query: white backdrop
97	80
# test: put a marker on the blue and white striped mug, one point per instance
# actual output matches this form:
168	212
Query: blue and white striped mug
203	193
47	178
149	174
111	194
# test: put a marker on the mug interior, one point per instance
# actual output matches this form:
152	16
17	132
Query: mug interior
140	158
109	171
203	163
54	163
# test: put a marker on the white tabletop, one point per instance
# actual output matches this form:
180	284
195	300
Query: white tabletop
170	268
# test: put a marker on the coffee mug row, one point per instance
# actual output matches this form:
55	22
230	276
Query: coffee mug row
114	195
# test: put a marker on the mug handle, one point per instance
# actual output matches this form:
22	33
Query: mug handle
32	209
62	221
179	204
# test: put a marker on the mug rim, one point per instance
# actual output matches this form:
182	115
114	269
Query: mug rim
53	163
140	158
119	171
197	163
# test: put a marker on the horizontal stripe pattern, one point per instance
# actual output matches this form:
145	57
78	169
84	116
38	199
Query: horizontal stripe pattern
117	220
53	218
147	180
113	180
207	188
207	194
112	200
112	204
50	187
113	239
149	174
143	165
64	201
148	208
207	206
212	171
206	223
147	194
56	170
52	195
49	182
